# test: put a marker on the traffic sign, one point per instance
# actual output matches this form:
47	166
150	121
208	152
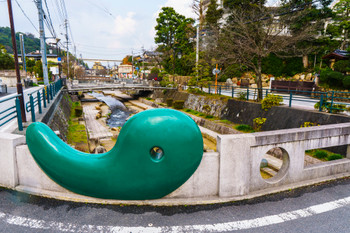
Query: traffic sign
216	71
59	59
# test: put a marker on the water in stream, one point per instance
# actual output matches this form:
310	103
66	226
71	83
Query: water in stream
119	113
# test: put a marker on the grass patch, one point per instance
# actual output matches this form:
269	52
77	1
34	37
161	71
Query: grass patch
226	122
245	128
76	135
324	155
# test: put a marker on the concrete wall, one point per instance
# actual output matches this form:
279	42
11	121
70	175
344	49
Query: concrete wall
232	172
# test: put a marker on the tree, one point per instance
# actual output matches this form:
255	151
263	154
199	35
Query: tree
247	42
6	61
199	8
342	17
173	36
213	15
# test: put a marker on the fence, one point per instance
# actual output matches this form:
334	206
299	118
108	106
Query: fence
331	102
12	112
42	97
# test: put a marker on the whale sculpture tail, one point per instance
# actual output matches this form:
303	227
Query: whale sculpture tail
156	152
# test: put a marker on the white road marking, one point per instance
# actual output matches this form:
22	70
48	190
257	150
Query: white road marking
219	227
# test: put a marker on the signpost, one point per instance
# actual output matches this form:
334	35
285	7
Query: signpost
216	71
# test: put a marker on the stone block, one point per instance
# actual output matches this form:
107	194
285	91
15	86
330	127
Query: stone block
8	167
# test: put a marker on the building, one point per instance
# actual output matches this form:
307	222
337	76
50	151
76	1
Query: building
125	71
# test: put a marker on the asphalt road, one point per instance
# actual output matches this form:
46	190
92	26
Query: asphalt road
322	208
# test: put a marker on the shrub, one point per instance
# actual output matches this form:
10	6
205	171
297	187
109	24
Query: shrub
195	90
309	124
334	157
244	128
271	100
332	78
78	111
209	116
258	123
169	102
242	96
178	104
320	154
346	82
342	66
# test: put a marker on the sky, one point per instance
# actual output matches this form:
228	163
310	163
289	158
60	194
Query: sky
109	29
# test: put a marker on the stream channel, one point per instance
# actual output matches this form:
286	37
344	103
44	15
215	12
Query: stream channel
119	113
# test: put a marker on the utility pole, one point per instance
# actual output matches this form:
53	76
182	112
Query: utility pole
42	40
18	74
197	51
21	41
132	63
66	25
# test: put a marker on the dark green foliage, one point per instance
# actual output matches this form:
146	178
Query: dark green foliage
342	66
6	61
209	116
320	154
293	66
178	104
31	43
278	66
213	15
334	157
169	102
272	65
173	36
155	70
346	82
230	71
244	128
332	78
78	111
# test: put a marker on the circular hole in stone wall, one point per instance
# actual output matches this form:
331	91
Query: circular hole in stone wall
274	164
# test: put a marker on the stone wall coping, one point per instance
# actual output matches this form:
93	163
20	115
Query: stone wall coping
297	134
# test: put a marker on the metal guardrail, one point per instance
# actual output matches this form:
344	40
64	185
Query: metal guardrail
12	112
328	101
42	97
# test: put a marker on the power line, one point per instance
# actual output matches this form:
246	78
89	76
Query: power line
26	16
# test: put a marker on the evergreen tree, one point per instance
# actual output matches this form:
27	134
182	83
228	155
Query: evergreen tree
213	15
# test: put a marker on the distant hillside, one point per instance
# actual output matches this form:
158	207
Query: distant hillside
31	43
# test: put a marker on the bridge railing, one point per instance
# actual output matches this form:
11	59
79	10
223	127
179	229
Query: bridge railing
12	112
42	97
326	101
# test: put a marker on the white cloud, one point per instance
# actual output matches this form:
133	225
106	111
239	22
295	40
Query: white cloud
124	26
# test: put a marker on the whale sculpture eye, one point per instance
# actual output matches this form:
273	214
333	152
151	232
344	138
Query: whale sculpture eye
157	154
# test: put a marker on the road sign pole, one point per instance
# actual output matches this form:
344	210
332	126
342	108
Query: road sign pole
216	80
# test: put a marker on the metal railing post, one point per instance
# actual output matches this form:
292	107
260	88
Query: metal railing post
44	97
19	116
321	103
219	90
290	99
51	97
208	88
267	92
48	94
32	108
233	92
247	93
331	108
39	102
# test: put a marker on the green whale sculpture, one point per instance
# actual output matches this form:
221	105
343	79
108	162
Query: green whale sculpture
156	152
